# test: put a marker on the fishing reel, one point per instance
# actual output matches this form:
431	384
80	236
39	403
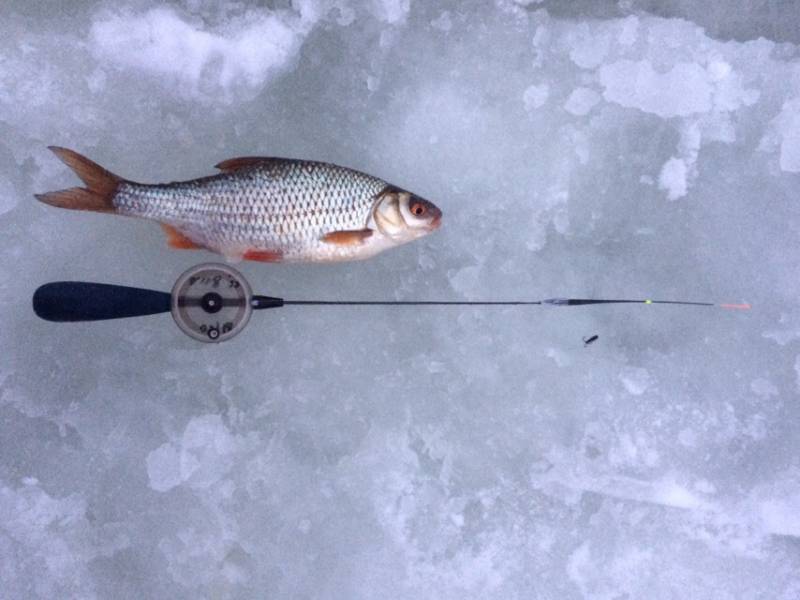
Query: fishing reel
210	302
213	302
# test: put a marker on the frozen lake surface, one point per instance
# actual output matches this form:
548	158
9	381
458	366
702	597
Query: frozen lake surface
638	148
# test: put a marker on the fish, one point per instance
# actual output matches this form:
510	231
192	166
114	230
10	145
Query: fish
261	208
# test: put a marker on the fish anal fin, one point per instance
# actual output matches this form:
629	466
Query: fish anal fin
242	162
347	238
175	239
263	255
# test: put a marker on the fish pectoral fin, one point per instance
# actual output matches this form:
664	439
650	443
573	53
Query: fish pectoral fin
263	255
175	239
242	162
347	238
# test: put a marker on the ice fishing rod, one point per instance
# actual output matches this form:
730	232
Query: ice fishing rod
213	302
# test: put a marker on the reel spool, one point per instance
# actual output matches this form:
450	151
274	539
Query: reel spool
211	302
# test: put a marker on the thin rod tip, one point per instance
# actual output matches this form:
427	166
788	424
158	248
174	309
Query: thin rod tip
736	306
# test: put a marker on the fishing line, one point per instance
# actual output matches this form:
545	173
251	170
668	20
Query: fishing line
213	302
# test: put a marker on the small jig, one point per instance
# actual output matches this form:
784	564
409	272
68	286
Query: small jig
587	341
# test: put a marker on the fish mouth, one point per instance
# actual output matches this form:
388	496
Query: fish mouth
436	222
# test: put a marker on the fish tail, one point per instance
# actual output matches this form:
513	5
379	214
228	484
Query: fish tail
101	185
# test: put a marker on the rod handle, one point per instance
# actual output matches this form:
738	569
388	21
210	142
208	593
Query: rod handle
63	301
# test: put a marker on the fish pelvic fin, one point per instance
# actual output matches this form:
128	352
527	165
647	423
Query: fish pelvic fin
263	255
101	185
347	238
175	239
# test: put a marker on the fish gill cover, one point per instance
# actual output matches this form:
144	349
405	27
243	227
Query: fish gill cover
588	149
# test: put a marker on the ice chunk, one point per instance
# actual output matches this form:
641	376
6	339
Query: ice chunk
629	31
581	101
673	494
682	90
588	49
443	22
164	467
673	178
719	69
782	515
203	455
797	370
788	125
763	387
191	57
789	332
535	96
636	380
390	11
704	486
207	449
633	450
578	562
561	358
49	544
465	280
8	196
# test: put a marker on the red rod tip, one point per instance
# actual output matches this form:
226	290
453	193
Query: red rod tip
736	306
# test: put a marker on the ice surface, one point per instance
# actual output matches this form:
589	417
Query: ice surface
584	148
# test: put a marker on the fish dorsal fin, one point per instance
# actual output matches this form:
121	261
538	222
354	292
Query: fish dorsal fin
242	162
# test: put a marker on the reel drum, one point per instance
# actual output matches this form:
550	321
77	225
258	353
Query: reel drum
211	302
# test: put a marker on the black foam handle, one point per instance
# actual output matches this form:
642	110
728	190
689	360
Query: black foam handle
84	301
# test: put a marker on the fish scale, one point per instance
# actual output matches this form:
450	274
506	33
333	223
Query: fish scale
283	204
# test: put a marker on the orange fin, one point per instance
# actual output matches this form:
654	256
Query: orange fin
175	239
101	185
76	199
347	238
242	162
263	255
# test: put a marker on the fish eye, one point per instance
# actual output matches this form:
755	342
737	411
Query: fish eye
418	209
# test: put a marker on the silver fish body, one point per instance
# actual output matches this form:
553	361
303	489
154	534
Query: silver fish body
270	209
